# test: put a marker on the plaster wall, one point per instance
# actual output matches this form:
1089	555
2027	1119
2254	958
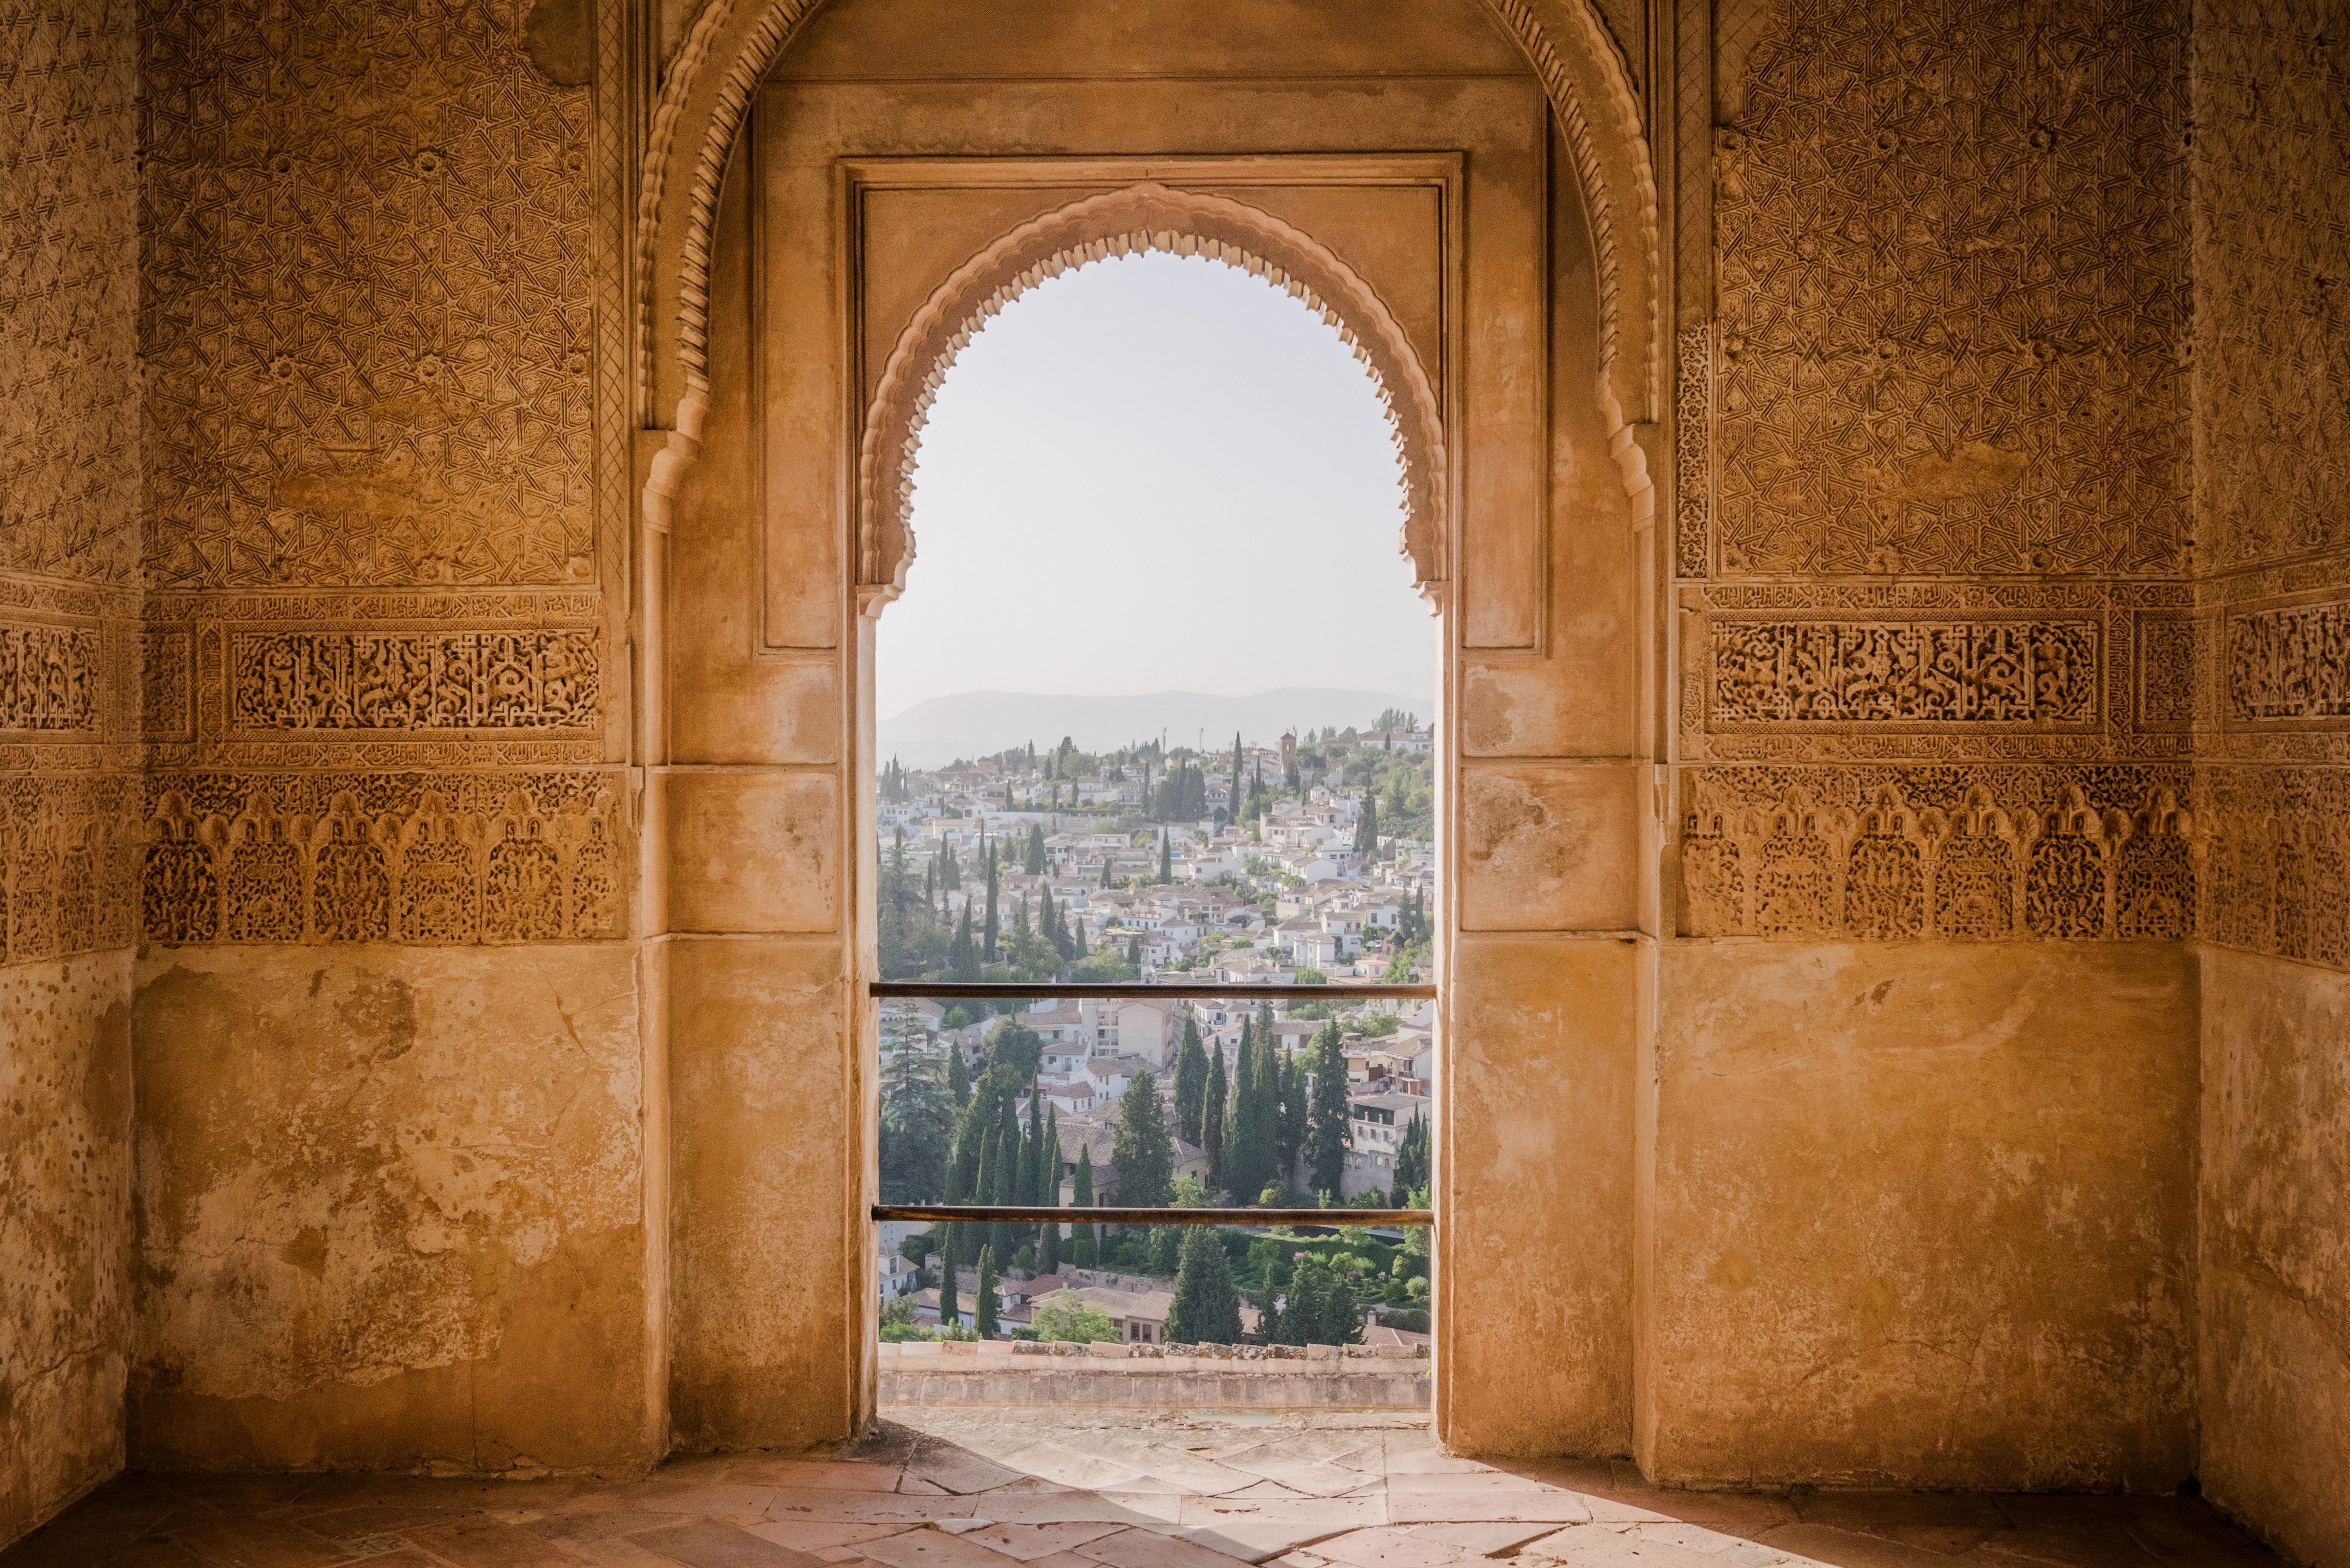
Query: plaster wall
391	1212
1924	1217
70	722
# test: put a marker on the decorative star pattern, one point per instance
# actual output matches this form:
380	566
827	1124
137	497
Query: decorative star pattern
1953	286
367	308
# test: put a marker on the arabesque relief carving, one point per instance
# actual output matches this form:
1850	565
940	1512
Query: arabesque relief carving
1950	269
429	681
2289	663
400	857
391	251
1954	854
49	679
2280	861
68	858
1892	672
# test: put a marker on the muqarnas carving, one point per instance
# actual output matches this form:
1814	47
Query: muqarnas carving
1951	278
412	680
2290	663
2280	861
1915	672
399	857
1869	855
69	850
49	679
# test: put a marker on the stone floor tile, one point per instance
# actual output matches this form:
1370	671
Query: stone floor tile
1480	1479
713	1499
706	1543
1724	1545
1071	1468
2107	1516
1386	1546
1305	1476
1432	1460
931	1548
1852	1547
1254	1540
1483	1538
1870	1512
1146	1549
1028	1486
864	1506
1261	1489
489	1543
600	1524
957	1469
1331	1513
2040	1543
833	1475
1608	1546
1081	1507
246	1542
1501	1507
813	1536
2182	1534
1031	1543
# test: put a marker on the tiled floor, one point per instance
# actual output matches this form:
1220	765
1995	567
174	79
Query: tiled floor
966	1488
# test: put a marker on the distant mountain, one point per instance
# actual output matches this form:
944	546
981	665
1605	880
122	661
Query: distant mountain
976	723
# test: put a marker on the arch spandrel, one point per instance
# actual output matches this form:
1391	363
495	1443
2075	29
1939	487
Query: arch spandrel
727	51
1139	219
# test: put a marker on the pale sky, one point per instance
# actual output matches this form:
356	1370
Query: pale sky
1155	473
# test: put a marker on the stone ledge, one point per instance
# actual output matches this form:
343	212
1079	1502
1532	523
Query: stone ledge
1185	1382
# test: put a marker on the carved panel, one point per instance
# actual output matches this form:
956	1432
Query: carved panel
1953	672
68	206
406	857
1693	453
1957	854
1951	275
349	681
49	680
2279	881
166	705
2273	281
1770	673
2289	664
369	305
2169	661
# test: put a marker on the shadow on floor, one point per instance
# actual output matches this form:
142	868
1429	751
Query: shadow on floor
964	1488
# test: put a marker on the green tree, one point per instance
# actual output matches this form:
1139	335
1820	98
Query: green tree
1248	1162
1018	1047
1067	1315
1326	1129
958	1075
960	955
1140	1151
1166	862
1266	1105
1190	1081
1367	826
1166	1250
982	1293
1212	1116
1207	1309
1002	1234
898	1321
1034	864
1048	1252
950	1309
1411	1168
917	1130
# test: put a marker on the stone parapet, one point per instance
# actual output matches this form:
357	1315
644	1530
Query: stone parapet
1320	1377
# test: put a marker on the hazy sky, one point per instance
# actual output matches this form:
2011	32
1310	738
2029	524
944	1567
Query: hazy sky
1155	473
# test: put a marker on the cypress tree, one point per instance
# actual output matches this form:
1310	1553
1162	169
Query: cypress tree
1367	826
958	1077
983	1187
1411	1166
1081	1194
1076	938
1020	923
1245	1165
1190	1081
950	1309
931	883
1207	1309
1326	1130
982	1306
1036	863
991	930
961	958
1236	775
1294	1116
1266	1105
1049	1250
950	877
1002	1235
1212	1116
1165	859
1105	868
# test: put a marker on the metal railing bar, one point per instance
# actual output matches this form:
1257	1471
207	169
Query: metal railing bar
990	990
1038	1214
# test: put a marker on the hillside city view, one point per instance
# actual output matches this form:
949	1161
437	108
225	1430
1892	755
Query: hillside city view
1308	861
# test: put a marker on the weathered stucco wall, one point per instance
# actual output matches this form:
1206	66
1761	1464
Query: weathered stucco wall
392	1210
69	727
1924	1216
2271	156
65	1230
1932	713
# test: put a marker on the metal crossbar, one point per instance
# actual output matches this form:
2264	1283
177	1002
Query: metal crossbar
1013	991
1040	1214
